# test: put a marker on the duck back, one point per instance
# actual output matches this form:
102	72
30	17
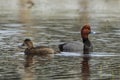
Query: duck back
41	50
74	46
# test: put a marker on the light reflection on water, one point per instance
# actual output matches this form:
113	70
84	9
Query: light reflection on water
103	64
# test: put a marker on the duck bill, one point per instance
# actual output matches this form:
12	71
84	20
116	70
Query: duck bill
21	46
92	32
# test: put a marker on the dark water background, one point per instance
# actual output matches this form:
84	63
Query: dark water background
51	23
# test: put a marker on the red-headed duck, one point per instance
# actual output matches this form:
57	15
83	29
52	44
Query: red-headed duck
77	46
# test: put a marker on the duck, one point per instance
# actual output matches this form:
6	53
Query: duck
39	50
77	46
31	51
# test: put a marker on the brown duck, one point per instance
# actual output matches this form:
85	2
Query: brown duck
41	50
32	51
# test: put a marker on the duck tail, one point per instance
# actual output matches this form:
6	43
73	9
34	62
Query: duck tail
61	46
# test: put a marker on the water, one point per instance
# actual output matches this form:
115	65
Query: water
54	25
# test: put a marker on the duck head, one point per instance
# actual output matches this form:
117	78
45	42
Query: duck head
28	43
85	31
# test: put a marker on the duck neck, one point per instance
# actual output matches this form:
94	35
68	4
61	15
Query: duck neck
87	45
86	41
30	45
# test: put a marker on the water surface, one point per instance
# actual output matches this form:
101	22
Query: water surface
46	27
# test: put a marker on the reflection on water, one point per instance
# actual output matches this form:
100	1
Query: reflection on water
48	24
85	68
84	17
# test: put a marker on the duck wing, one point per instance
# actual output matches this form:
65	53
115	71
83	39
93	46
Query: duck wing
74	46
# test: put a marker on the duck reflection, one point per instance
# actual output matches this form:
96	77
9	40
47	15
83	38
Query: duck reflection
28	60
29	74
25	11
31	3
32	59
27	3
85	68
84	16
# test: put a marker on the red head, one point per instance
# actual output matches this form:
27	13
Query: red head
85	31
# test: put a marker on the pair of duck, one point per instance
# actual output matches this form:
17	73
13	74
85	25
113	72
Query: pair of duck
65	47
